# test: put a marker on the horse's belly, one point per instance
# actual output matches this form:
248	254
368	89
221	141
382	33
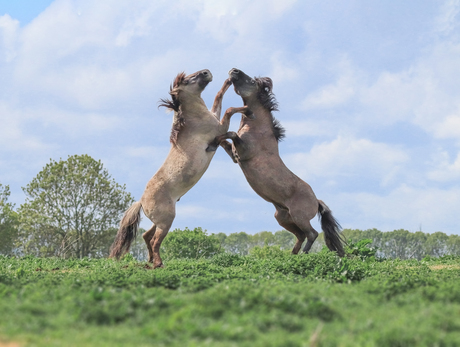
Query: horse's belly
185	176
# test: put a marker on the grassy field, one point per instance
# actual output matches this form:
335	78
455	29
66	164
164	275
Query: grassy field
268	298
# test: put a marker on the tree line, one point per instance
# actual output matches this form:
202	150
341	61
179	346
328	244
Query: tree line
400	243
73	208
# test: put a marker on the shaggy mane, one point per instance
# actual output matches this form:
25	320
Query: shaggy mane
173	104
278	129
265	94
179	79
268	101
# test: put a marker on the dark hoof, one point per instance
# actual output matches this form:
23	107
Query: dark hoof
250	115
158	266
211	148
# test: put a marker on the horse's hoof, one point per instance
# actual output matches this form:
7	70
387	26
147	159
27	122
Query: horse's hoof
158	266
250	115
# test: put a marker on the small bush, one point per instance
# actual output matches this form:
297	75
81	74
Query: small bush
360	249
193	244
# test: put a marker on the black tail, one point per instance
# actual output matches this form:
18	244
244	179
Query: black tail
332	229
127	232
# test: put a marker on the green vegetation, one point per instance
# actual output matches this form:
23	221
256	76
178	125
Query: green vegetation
392	289
403	244
266	298
72	209
8	222
397	244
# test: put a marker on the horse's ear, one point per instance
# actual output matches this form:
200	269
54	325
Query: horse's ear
266	84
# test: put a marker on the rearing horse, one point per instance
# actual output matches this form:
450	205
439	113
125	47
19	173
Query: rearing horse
255	147
194	127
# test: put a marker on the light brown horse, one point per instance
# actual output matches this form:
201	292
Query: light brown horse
255	147
194	127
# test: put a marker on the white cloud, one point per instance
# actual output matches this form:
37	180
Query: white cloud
403	208
226	20
8	37
312	127
193	211
12	136
282	68
427	94
449	127
349	157
337	93
447	20
443	170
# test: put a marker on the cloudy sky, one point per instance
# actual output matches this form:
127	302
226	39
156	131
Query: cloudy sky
368	91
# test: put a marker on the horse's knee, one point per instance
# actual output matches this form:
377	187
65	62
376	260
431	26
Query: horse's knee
312	234
147	236
282	216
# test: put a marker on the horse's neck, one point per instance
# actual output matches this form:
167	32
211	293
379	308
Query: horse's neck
193	107
263	121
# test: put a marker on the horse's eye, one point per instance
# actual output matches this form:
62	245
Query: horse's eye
185	82
267	89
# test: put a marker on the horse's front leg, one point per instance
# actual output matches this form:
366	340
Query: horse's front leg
227	146
225	122
217	106
219	139
224	125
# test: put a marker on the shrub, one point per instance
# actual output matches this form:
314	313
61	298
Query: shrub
192	244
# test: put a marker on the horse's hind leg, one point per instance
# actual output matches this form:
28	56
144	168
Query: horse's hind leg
312	234
163	221
160	234
303	223
148	236
285	220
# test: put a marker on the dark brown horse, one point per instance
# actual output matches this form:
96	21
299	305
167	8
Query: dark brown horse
255	147
194	127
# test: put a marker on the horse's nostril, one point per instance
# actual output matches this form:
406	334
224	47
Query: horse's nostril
236	70
205	73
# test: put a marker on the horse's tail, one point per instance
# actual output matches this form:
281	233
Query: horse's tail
127	232
332	229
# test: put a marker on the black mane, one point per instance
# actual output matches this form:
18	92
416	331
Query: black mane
278	129
268	100
265	94
173	104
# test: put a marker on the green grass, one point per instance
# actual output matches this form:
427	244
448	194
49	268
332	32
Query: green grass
269	298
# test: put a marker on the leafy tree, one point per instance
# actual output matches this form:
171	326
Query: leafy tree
263	238
72	208
238	243
190	244
138	247
8	223
406	245
436	244
222	237
285	239
453	245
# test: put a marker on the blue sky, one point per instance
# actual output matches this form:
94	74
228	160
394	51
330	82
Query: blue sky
368	91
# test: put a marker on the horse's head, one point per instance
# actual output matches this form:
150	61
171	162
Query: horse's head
192	84
253	90
184	85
